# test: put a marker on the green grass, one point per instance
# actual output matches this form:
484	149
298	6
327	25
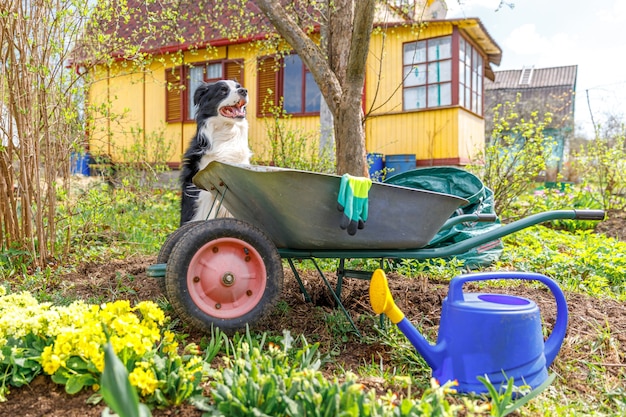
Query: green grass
581	261
118	223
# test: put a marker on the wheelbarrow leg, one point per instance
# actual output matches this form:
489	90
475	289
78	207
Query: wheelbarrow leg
336	295
303	290
342	273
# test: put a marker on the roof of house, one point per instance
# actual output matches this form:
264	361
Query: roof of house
148	27
153	30
530	77
474	28
479	34
540	89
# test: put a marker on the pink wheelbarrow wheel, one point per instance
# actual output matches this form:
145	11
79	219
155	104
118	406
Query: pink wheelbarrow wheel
168	245
224	273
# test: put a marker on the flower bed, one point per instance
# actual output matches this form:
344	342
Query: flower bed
66	342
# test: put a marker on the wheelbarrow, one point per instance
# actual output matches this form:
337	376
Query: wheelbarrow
227	272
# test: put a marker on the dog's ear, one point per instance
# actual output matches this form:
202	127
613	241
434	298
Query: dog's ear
200	91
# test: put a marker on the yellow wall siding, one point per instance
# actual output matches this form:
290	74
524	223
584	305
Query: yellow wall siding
430	135
299	128
427	134
125	94
99	124
472	135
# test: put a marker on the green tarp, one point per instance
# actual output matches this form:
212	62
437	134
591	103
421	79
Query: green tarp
461	183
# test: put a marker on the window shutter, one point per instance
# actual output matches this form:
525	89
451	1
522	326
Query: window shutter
267	86
233	70
174	94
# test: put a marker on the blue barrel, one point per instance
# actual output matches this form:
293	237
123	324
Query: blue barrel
376	165
79	163
397	164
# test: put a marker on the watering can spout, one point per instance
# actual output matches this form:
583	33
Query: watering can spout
382	302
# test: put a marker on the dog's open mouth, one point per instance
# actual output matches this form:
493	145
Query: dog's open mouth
234	112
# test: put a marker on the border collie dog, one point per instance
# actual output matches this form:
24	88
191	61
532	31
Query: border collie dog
221	135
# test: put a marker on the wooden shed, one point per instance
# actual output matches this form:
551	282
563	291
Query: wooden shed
542	90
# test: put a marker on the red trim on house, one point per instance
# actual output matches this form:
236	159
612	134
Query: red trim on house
458	161
455	66
187	47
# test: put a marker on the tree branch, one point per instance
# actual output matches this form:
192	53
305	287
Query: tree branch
309	52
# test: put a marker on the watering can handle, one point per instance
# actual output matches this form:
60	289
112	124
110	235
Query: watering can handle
553	344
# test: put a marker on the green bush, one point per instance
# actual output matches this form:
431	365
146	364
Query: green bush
602	164
143	160
516	153
106	221
294	148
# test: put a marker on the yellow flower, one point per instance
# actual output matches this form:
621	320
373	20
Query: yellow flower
194	365
50	361
168	336
66	348
144	380
170	347
151	312
98	361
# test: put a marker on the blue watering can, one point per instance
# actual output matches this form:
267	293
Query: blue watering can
491	335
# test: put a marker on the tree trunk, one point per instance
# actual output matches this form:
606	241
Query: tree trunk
350	139
339	72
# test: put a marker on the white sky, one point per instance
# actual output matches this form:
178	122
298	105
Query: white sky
551	33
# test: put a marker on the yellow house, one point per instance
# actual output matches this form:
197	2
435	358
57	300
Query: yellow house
423	96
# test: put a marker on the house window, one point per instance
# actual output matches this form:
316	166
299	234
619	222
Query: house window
427	70
289	80
470	77
430	80
182	83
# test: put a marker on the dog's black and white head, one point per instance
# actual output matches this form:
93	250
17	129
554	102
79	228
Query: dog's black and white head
226	98
221	135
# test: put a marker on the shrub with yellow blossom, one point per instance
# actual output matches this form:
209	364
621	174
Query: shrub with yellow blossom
67	342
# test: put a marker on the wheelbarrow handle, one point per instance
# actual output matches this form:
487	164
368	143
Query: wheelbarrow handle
469	218
487	217
589	214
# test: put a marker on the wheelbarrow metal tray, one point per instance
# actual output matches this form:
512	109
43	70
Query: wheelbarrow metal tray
298	209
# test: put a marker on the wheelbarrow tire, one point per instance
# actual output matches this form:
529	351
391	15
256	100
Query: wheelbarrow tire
223	273
168	245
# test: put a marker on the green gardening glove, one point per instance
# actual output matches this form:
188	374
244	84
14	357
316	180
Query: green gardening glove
352	200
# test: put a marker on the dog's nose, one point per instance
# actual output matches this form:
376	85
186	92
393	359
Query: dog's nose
242	92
